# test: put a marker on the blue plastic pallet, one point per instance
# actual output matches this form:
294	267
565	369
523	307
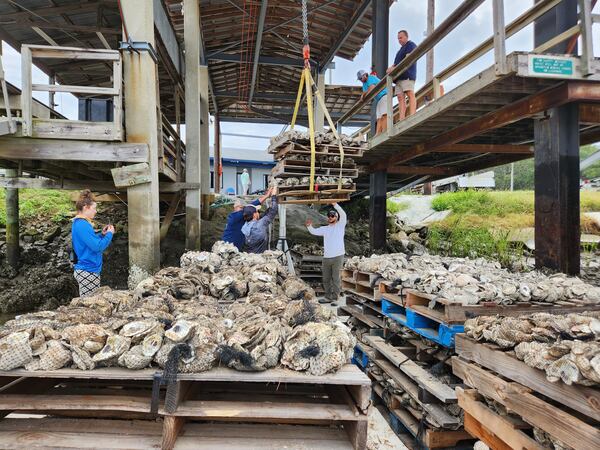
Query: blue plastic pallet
360	358
440	333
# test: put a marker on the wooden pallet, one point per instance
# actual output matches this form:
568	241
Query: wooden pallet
446	311
318	187
306	198
367	312
498	432
303	148
428	389
568	413
282	170
405	420
292	160
276	396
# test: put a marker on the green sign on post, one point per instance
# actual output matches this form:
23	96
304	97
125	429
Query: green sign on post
552	66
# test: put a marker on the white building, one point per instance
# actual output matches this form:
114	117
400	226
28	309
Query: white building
258	162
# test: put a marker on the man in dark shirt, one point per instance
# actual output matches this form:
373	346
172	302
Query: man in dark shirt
405	86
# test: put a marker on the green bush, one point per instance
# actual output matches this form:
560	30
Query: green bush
485	203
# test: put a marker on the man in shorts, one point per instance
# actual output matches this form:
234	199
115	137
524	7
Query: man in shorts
369	82
405	85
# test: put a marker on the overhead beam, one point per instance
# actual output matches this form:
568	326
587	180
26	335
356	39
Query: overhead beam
419	170
486	148
356	18
167	34
72	150
94	185
258	95
258	44
266	60
589	113
72	8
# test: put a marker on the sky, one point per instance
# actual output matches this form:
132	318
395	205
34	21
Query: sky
404	14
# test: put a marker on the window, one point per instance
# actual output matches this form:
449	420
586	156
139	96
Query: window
266	177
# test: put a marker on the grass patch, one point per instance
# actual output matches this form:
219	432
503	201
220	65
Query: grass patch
485	203
457	238
395	207
48	204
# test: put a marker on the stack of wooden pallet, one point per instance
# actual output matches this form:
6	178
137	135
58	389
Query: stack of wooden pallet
309	268
292	153
118	408
409	337
569	414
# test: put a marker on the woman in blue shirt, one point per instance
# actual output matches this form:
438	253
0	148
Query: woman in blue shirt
88	244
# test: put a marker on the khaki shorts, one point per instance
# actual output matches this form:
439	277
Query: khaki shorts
404	85
381	109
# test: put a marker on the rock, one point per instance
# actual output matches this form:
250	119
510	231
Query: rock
27	238
40	243
52	234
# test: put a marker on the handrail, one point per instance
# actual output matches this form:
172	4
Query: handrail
451	22
525	19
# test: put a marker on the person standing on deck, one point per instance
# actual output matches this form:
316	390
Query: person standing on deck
245	180
405	86
369	82
334	251
235	222
256	228
88	244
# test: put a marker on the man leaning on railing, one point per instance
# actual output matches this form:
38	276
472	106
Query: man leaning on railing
369	82
405	85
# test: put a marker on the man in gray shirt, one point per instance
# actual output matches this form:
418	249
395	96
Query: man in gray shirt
256	228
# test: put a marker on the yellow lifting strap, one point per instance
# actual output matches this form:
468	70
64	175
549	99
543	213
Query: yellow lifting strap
307	79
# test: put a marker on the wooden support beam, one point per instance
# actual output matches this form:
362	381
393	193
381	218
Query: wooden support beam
164	227
77	184
217	155
487	148
204	168
589	113
192	37
557	221
419	170
72	150
132	175
142	105
377	211
12	222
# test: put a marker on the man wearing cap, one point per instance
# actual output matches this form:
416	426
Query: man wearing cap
256	228
235	221
334	251
368	83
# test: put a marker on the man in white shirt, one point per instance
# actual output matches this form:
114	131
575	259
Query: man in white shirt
245	180
334	251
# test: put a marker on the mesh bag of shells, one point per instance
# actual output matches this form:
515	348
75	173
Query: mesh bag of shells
471	281
566	347
222	307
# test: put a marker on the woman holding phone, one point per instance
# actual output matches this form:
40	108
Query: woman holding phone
88	244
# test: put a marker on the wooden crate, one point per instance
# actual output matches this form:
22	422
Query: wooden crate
287	147
276	396
367	312
569	413
446	311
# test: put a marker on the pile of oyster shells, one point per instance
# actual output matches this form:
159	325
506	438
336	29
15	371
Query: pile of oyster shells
333	159
221	307
566	347
304	181
471	281
321	137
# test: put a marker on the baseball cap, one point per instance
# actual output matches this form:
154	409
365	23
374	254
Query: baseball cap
360	74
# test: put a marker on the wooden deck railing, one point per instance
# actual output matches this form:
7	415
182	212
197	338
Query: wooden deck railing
432	89
71	129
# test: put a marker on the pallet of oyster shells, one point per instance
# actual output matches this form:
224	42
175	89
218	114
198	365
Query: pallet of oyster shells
275	396
406	389
305	196
566	413
325	144
449	312
294	168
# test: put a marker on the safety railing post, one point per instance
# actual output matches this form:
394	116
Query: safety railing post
585	23
499	37
26	90
389	85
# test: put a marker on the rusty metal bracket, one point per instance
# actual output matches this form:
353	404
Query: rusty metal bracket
137	47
